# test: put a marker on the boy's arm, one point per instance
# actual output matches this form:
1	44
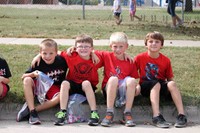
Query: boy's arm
36	61
128	58
95	58
4	80
134	3
32	74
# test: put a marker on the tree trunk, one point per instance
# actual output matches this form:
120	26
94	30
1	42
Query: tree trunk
188	6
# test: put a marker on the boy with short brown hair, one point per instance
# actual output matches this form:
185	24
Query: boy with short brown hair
156	80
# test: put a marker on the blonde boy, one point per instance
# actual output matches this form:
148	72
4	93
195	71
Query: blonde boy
116	70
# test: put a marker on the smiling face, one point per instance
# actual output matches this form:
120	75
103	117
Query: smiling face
48	54
119	49
119	44
84	49
154	45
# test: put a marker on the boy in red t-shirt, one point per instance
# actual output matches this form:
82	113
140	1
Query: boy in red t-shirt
82	78
119	73
156	80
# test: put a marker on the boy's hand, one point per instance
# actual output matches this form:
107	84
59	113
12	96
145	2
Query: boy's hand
95	58
36	73
70	50
36	61
128	57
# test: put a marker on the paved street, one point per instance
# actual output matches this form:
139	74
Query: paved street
10	126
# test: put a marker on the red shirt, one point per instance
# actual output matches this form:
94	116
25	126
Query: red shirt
116	67
153	68
81	69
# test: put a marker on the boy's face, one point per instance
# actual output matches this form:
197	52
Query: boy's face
154	45
48	54
84	49
119	49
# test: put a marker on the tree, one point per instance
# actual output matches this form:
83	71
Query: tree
188	6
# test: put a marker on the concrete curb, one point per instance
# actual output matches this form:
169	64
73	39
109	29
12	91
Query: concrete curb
140	113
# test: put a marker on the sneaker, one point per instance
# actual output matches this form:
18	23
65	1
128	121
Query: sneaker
108	120
159	121
60	118
23	113
128	120
94	119
34	118
181	121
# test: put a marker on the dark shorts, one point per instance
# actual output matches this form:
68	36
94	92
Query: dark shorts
76	88
5	90
171	7
146	87
117	14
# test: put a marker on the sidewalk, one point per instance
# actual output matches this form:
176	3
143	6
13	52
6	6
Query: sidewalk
103	42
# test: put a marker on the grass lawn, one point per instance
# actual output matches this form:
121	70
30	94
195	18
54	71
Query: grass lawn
185	62
67	23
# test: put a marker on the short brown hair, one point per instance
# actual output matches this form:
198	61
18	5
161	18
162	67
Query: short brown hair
154	35
49	43
84	38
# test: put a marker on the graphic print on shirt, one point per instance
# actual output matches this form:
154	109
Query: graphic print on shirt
2	72
151	71
117	72
82	71
55	74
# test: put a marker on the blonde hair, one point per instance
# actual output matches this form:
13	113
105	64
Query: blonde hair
154	35
118	37
48	43
84	39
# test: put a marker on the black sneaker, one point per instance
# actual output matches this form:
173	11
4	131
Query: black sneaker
181	121
60	118
94	119
128	120
23	113
159	121
34	118
108	120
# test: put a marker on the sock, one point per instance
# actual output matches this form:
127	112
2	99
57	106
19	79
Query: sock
110	110
127	110
93	111
64	110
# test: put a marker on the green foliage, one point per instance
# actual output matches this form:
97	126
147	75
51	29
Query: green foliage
185	62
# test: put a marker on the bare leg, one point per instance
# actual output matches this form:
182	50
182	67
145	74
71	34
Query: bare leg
28	92
155	99
87	88
64	94
111	90
176	96
130	93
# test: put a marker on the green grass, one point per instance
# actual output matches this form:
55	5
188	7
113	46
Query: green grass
60	23
185	62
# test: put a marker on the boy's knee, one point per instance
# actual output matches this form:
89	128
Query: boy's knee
86	84
171	84
27	81
113	79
